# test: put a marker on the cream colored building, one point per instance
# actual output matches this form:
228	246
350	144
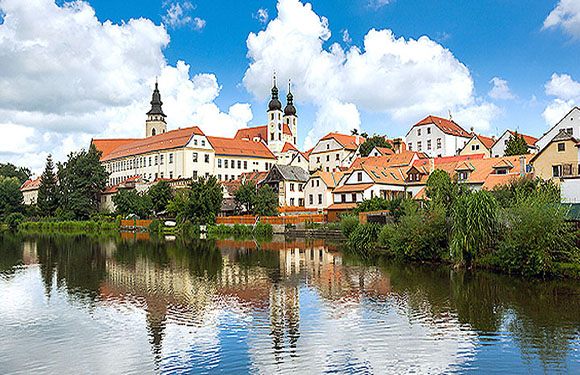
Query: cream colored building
318	189
334	151
478	144
558	159
29	191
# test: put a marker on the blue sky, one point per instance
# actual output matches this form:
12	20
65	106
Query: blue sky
528	51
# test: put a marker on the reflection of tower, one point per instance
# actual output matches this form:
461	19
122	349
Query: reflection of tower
156	322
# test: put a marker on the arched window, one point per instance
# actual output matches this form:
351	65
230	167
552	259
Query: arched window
153	132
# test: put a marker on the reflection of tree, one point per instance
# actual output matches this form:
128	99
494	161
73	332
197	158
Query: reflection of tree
11	252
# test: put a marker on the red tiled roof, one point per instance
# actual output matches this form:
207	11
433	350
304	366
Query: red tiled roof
253	132
349	142
486	141
286	129
29	185
106	146
239	147
385	150
164	141
289	146
400	159
446	126
529	140
329	178
253	177
352	188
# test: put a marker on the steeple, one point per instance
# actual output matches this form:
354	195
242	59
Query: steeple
156	102
274	104
155	123
290	110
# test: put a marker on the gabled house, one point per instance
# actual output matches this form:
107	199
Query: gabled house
29	191
478	144
288	182
290	155
318	189
437	137
559	158
498	148
570	123
334	151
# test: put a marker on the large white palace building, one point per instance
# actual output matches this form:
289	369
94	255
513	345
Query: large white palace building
189	153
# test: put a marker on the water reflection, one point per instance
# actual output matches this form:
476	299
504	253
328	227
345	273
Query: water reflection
131	303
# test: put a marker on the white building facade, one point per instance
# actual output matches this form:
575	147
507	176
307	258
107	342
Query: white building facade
437	137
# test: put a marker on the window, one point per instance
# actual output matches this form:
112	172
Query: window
418	132
291	201
556	171
291	186
428	130
328	146
239	164
343	198
438	142
195	142
337	156
233	164
474	147
219	163
570	131
245	164
203	142
312	183
567	170
359	176
300	187
561	147
327	157
226	177
206	158
272	136
501	171
301	202
195	157
156	175
410	145
226	164
171	175
161	159
317	183
319	198
171	158
462	176
428	144
161	174
156	160
311	199
219	177
354	197
195	175
418	146
318	159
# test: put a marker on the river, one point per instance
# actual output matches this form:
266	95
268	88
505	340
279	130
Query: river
131	304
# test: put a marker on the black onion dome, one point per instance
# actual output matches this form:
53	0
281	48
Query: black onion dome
156	103
274	104
290	110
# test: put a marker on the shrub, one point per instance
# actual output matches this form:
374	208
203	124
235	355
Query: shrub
363	238
155	226
263	229
348	224
14	219
242	229
188	229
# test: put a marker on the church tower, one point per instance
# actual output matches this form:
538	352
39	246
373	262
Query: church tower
290	116
275	121
155	123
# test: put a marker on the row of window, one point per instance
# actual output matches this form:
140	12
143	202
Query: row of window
420	145
419	131
300	202
300	187
118	180
311	199
563	170
135	163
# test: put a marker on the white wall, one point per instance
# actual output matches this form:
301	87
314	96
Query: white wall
570	121
570	190
430	132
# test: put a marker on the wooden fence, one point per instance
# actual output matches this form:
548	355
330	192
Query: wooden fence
135	223
274	220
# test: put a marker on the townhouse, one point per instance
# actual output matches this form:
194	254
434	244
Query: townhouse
334	151
288	182
318	189
437	137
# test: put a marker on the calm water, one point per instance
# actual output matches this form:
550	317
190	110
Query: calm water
121	305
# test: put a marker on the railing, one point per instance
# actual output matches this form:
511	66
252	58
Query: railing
274	220
135	223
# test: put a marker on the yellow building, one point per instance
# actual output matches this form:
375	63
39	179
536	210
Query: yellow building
478	144
558	159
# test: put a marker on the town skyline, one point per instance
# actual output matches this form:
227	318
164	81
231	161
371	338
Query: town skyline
78	95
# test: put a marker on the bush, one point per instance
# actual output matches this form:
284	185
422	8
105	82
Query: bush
263	229
155	226
188	229
14	219
242	229
363	238
348	224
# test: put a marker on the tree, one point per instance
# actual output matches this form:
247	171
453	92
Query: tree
130	202
376	141
47	200
81	179
10	170
11	199
516	145
160	195
201	201
440	189
266	202
246	196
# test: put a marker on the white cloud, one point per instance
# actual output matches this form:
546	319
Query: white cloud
346	36
66	77
406	78
567	94
566	15
500	89
262	15
379	3
178	14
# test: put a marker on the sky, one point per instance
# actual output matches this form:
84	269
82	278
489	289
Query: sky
73	71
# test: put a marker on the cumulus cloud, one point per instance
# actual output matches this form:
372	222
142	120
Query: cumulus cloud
566	93
262	15
406	78
346	36
178	14
500	89
66	77
566	16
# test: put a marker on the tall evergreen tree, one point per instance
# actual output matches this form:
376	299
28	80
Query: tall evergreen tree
516	145
48	191
11	199
371	143
10	170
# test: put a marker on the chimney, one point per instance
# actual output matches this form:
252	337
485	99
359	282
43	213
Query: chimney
397	142
522	165
431	165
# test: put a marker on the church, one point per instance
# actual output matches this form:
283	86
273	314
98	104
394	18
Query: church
189	153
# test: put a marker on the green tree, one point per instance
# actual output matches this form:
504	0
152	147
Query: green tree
160	195
441	189
516	145
246	197
48	198
130	202
266	202
10	170
376	141
11	199
81	179
200	202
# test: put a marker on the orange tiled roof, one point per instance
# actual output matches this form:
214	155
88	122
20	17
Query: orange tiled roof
253	132
349	142
385	150
30	185
341	206
106	146
351	188
253	177
289	146
400	159
446	126
330	178
165	141
286	129
239	147
486	141
529	139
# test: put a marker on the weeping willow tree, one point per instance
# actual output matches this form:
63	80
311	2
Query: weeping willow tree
473	231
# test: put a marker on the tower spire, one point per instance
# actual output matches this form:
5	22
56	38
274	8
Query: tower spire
290	110
274	104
